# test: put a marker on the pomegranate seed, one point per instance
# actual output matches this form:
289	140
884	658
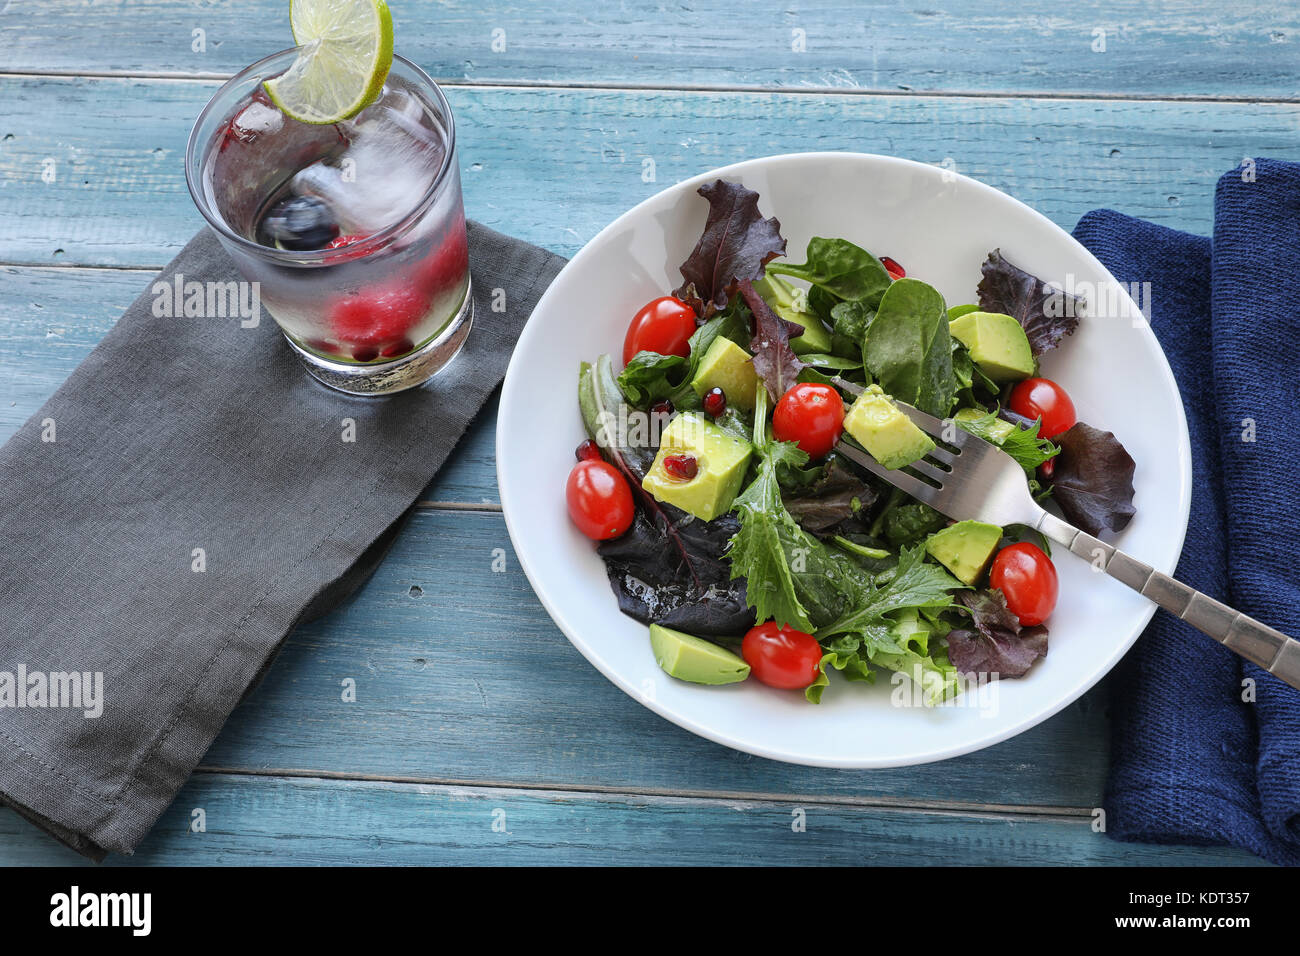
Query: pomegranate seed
682	467
589	451
399	348
893	268
1046	469
662	407
365	353
715	401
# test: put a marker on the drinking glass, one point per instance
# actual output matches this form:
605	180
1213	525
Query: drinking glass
352	233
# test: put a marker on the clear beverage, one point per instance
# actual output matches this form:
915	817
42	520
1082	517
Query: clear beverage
355	232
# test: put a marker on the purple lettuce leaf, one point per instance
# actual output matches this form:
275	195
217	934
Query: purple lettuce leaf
997	646
1093	480
688	588
1046	313
736	244
775	361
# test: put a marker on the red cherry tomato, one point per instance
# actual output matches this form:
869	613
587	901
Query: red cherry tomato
1027	577
664	326
600	501
811	415
781	656
1043	398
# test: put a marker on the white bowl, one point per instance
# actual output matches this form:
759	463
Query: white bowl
939	226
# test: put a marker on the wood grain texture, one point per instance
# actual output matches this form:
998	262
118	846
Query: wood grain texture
470	699
555	166
462	676
1170	47
305	822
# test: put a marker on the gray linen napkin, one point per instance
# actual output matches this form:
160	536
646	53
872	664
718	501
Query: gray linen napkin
179	434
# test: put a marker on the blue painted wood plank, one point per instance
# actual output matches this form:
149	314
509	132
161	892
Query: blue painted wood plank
297	821
462	676
1175	47
555	166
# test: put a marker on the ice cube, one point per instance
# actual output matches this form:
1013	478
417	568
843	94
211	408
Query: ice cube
389	163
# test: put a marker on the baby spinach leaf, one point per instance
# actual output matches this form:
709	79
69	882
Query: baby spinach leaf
737	242
1093	480
849	324
1048	314
997	645
908	347
776	363
911	523
650	377
839	267
837	362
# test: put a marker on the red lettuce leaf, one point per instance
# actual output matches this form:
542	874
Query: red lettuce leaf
774	360
690	587
836	496
1093	480
997	645
1046	313
736	244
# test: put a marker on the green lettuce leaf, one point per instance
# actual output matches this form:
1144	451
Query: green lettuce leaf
1022	444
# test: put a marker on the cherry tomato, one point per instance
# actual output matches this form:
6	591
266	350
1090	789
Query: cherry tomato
810	415
600	502
1027	577
781	656
1043	398
664	326
895	271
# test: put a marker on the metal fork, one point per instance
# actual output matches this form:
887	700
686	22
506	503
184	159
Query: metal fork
977	479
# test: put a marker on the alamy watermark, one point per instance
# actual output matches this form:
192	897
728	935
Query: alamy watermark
1106	300
208	300
71	690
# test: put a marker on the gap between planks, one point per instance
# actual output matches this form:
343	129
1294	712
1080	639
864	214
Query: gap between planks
763	88
721	797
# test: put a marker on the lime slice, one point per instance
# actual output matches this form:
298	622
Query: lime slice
345	50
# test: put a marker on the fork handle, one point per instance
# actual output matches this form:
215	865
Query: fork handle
1258	643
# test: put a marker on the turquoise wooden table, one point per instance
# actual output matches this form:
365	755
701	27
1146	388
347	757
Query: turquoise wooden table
478	734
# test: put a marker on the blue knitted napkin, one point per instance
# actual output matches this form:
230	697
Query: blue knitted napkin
1206	747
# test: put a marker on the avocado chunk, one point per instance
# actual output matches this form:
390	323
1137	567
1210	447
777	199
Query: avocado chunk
729	367
965	548
998	429
693	659
997	343
720	459
890	436
786	303
957	311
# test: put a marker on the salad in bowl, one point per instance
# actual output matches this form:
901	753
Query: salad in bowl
729	525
